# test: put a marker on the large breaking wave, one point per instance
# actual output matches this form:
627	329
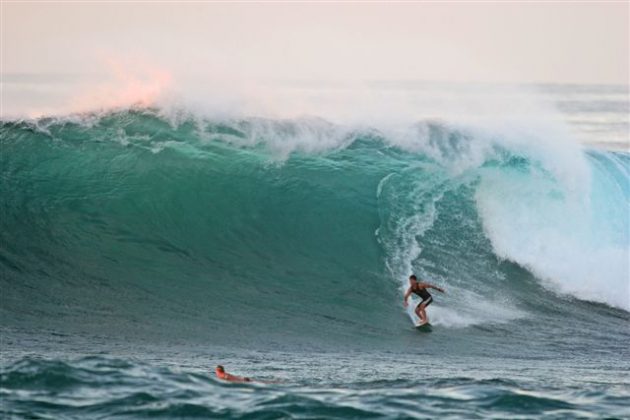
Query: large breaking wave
132	220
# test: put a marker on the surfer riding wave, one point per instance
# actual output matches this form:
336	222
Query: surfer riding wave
420	289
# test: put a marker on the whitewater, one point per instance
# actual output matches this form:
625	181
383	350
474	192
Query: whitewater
142	245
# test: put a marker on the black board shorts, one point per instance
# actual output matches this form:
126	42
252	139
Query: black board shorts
427	302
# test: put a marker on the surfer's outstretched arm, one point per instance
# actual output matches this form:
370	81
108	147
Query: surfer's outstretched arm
439	289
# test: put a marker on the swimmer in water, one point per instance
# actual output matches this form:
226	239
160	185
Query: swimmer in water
222	374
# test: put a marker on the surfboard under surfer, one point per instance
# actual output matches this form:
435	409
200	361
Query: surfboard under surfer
420	289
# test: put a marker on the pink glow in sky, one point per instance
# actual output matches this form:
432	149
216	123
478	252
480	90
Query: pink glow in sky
130	84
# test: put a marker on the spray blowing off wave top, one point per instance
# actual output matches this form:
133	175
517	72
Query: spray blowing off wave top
133	216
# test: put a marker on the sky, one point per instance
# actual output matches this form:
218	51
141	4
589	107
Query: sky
572	42
77	55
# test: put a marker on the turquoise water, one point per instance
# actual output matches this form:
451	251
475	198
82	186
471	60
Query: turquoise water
139	249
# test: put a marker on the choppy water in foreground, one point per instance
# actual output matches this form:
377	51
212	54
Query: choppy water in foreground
322	385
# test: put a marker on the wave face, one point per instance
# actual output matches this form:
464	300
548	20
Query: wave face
133	222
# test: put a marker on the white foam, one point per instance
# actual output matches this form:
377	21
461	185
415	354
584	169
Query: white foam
577	244
463	308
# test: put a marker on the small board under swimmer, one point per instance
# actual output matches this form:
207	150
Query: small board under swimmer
420	289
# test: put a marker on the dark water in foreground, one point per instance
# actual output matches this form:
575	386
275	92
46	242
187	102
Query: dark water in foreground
313	385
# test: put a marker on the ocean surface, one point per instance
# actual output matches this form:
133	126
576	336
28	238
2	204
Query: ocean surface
142	246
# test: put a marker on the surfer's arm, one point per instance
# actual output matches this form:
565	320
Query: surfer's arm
407	294
439	289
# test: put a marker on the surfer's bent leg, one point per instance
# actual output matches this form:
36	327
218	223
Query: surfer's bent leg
421	312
